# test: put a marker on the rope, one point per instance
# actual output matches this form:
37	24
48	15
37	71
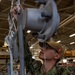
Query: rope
10	36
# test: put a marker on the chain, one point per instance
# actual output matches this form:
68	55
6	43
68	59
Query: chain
10	38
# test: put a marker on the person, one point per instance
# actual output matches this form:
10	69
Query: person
51	53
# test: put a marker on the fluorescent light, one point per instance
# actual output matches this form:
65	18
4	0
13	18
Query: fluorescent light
58	41
72	43
28	31
72	35
33	57
64	60
73	60
5	44
7	50
31	47
18	66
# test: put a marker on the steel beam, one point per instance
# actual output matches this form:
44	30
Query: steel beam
3	48
66	8
3	19
67	21
5	10
28	5
58	2
4	29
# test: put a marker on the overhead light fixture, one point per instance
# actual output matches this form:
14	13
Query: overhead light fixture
7	50
72	43
28	31
5	44
58	41
72	35
73	60
64	60
31	47
0	0
33	57
18	66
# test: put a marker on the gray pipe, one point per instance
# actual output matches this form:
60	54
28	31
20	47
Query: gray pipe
11	61
21	43
9	71
15	50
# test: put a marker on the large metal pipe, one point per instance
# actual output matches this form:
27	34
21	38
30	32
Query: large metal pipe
33	16
44	20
